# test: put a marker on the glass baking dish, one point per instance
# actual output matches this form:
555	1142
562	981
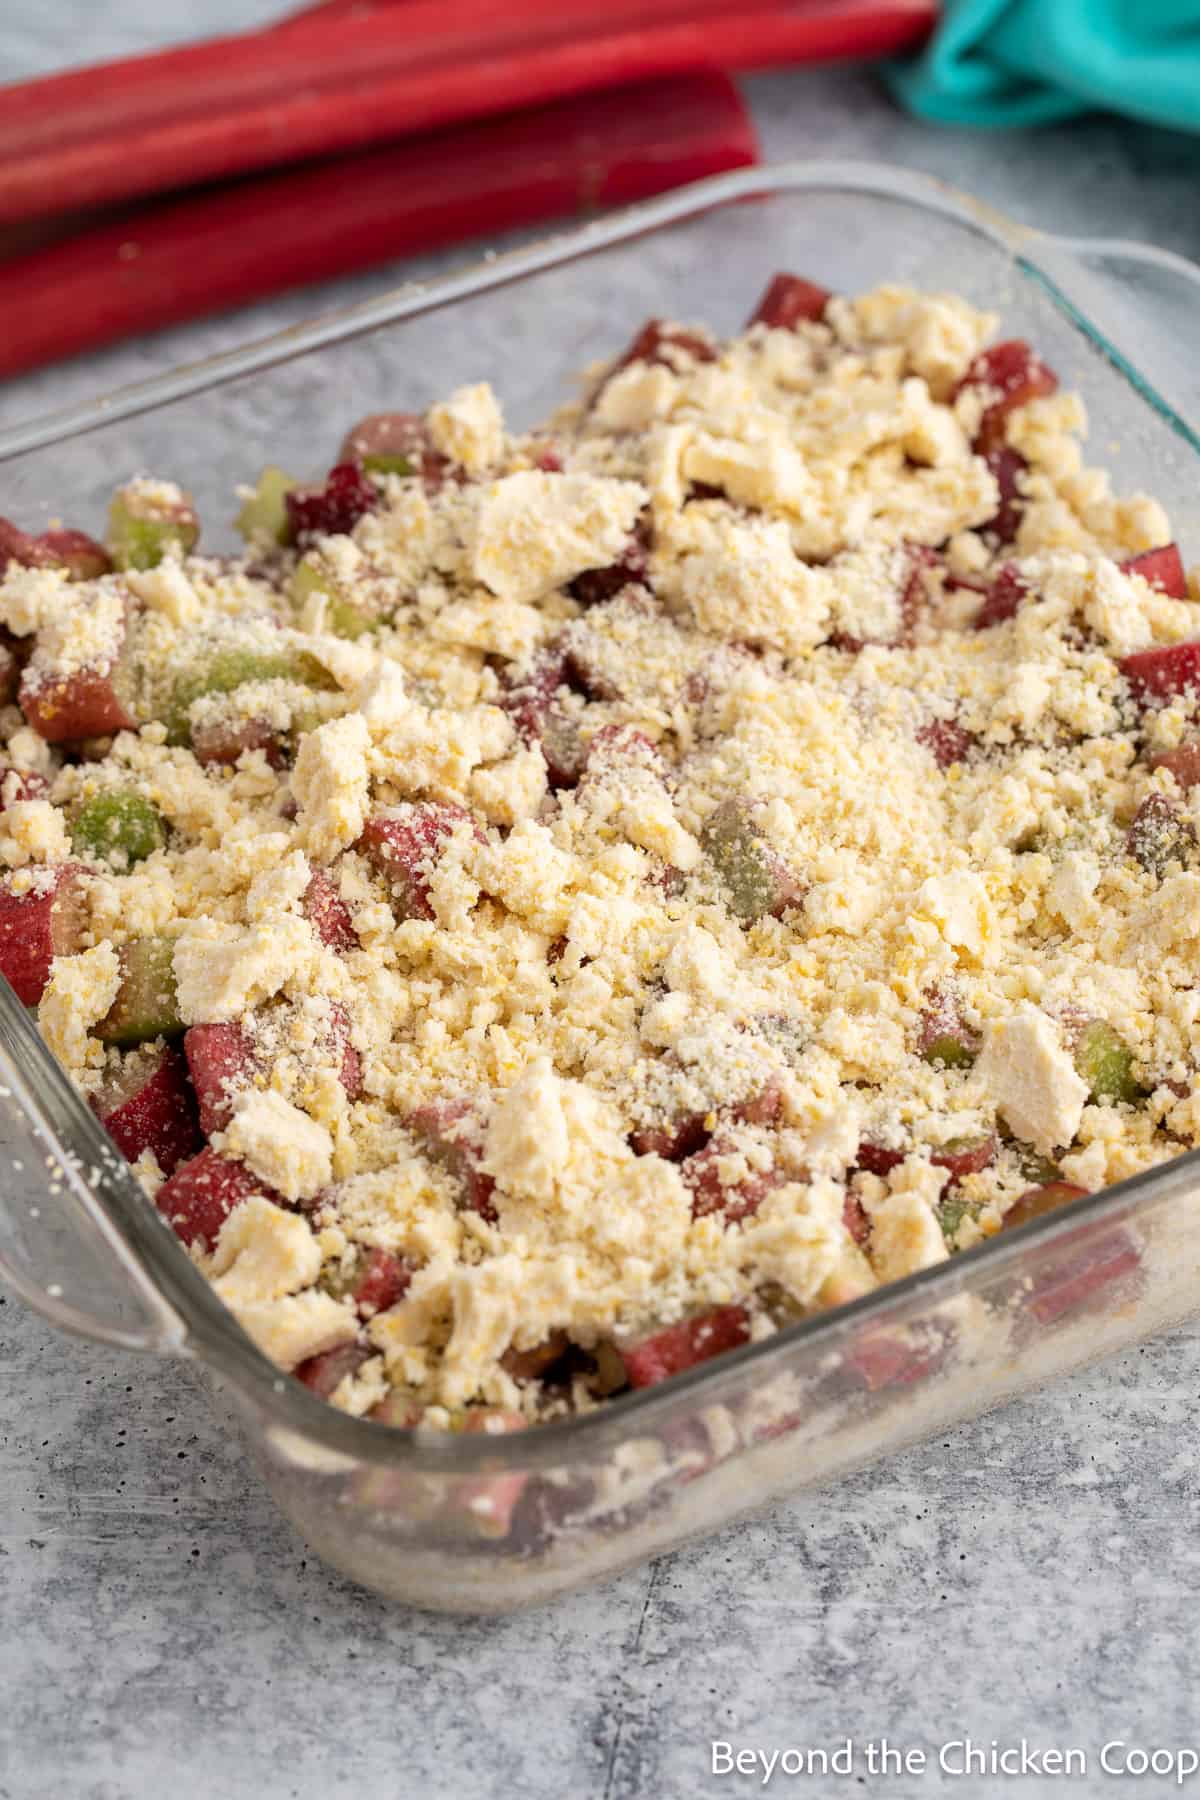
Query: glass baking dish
483	1524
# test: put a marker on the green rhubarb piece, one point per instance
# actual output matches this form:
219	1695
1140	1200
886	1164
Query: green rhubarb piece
227	670
755	880
1104	1060
950	1050
1037	1170
146	1005
312	575
950	1214
264	516
143	529
388	462
119	827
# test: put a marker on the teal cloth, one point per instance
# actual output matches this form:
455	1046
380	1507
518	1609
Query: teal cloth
1033	62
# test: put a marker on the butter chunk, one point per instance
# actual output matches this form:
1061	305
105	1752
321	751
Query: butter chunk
263	1252
958	906
78	994
283	1146
752	585
535	532
332	784
1028	1073
296	1326
905	1234
221	970
469	428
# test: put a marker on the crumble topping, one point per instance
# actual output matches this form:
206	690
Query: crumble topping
605	893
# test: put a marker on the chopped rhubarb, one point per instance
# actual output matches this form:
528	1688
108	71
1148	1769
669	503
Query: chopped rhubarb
531	702
374	1281
404	846
202	1193
878	1159
947	741
964	1156
146	1005
1159	835
884	1360
325	1373
1009	375
342	1051
1162	568
943	1035
1105	1061
334	508
222	742
595	586
622	747
148	1105
147	521
263	520
702	1175
38	924
757	882
1004	598
1183	763
674	1140
762	1107
117	826
855	1219
80	555
669	345
396	443
65	708
1009	468
1162	673
682	1346
328	913
223	1063
1091	1269
225	671
1035	1201
451	1134
790	301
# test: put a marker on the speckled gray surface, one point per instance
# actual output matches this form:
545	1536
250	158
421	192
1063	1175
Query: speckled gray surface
1031	1576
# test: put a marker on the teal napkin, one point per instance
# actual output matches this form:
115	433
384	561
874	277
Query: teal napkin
1031	62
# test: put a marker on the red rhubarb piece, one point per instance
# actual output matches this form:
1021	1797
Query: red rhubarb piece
595	586
531	702
1004	598
761	1108
1010	375
1035	1201
343	1052
1080	1271
878	1159
37	925
396	443
536	1362
149	1105
202	1193
82	557
855	1219
701	1173
1009	468
790	301
382	1280
1162	568
1162	673
17	546
334	508
674	1140
1159	835
965	1156
325	1373
451	1134
947	741
884	1361
943	1035
328	913
666	344
222	1061
404	844
1183	763
224	740
65	708
678	1347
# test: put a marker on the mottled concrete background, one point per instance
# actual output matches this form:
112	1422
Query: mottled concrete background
1034	1575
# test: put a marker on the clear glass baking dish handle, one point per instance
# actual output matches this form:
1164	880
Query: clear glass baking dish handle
59	1249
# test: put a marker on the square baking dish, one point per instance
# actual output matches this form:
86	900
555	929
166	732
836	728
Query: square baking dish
482	1524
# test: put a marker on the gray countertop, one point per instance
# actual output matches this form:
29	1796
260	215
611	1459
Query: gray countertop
1030	1576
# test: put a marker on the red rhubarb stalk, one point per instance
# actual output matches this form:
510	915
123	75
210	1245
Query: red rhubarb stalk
342	79
200	254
